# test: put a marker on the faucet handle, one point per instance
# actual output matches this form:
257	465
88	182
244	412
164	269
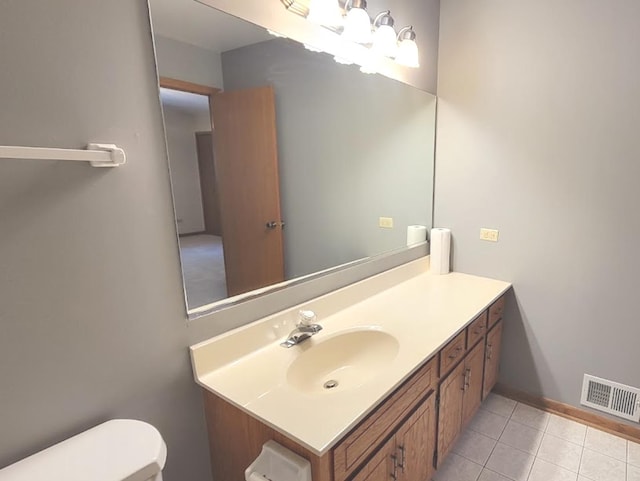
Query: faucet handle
307	317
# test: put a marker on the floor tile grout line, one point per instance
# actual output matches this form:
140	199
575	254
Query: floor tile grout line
584	446
497	441
535	456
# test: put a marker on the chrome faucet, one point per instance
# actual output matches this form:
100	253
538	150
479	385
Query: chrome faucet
305	328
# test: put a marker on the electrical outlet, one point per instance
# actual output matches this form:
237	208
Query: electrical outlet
385	222
490	235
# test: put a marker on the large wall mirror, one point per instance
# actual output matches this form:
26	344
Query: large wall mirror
284	163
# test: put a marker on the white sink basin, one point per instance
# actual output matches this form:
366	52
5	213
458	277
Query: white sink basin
344	361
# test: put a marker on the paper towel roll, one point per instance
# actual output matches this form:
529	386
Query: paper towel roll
440	250
416	234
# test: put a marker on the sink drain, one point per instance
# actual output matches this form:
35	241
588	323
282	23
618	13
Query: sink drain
330	384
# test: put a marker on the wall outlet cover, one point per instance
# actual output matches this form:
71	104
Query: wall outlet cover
490	235
385	222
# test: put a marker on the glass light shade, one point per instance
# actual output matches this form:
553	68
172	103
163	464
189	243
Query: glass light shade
325	12
384	41
368	62
407	54
357	26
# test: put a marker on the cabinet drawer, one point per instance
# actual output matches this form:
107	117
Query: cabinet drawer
452	353
368	435
495	311
476	330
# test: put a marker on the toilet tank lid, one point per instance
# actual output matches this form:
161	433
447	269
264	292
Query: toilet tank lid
118	450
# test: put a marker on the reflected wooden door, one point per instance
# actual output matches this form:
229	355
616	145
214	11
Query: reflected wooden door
246	164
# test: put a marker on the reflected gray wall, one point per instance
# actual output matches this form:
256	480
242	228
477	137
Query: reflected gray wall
92	314
180	128
186	62
352	148
537	136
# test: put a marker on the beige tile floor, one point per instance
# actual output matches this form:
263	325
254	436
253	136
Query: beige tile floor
203	269
509	441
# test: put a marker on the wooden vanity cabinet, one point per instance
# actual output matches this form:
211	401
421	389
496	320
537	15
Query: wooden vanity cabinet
494	343
407	456
352	452
460	398
380	466
461	392
415	444
492	361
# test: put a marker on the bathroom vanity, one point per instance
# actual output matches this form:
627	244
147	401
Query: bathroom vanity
401	365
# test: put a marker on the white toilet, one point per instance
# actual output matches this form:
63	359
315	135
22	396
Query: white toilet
118	450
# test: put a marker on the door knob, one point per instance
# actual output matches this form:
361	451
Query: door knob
273	224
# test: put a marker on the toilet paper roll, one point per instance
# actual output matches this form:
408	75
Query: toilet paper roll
440	250
416	234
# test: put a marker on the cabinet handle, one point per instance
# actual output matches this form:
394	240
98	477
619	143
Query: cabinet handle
401	464
467	379
489	351
394	475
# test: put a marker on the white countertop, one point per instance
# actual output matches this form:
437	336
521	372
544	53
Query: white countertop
248	367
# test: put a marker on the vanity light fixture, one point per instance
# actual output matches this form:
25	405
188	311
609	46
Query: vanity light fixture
325	12
379	37
407	54
296	7
368	61
384	36
357	24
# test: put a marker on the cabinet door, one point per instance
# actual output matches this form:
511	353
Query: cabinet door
474	367
415	444
494	342
383	465
450	411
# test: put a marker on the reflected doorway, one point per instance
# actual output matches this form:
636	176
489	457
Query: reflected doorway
187	115
226	188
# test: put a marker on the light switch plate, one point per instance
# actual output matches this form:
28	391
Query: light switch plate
490	235
385	222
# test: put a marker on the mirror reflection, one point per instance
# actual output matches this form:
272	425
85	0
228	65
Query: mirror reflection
283	162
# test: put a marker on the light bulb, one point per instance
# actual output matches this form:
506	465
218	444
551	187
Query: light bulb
408	54
325	12
357	26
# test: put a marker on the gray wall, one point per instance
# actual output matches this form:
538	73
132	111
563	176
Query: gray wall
180	128
182	61
537	136
351	148
92	312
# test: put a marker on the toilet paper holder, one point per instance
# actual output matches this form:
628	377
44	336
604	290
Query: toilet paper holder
277	463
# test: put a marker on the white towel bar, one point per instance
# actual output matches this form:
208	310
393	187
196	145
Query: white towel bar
98	155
